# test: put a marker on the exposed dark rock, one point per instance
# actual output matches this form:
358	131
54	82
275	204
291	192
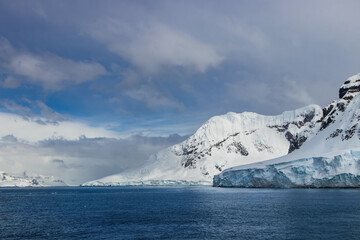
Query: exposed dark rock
239	148
35	182
335	133
326	123
341	106
295	141
326	111
189	162
344	90
349	97
309	117
349	133
262	147
280	128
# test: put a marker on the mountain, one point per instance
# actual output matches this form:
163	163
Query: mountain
7	180
222	142
331	158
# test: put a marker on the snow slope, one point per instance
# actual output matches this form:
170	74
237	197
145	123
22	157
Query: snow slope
7	180
329	159
222	142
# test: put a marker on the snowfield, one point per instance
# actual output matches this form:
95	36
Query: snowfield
329	159
222	142
7	180
307	147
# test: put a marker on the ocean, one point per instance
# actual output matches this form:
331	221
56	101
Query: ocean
178	213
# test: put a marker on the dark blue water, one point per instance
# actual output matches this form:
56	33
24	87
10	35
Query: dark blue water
178	213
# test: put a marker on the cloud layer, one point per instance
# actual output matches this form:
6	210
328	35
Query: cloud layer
70	150
151	46
80	160
48	70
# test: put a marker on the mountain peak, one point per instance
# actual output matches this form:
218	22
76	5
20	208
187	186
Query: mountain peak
235	139
350	87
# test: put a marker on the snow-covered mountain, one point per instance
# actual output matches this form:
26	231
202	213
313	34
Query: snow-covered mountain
331	158
222	142
7	180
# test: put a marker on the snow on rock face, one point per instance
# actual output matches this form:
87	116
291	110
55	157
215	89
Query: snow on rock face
7	180
331	152
249	134
248	138
351	86
222	142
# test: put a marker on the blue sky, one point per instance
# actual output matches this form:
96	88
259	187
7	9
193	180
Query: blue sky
152	64
154	68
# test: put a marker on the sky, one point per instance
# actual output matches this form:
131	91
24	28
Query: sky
92	88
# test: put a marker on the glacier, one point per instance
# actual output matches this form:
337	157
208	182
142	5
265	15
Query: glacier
223	141
228	149
316	172
329	159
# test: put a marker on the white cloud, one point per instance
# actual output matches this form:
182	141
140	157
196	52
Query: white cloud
153	98
35	111
36	129
80	160
153	45
296	92
10	82
71	150
49	70
284	94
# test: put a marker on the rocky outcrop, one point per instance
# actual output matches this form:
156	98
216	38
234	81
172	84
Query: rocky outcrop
350	87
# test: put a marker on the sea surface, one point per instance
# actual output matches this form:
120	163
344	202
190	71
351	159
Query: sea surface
178	213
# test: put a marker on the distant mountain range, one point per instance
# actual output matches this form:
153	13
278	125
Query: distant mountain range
223	142
10	180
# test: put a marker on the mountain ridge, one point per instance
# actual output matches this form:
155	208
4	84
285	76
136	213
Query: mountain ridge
329	159
233	139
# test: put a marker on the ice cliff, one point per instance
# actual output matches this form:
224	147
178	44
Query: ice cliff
329	159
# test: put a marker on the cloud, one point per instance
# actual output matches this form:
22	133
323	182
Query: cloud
9	139
35	111
70	150
294	91
283	94
152	98
81	160
152	45
49	114
32	128
10	82
46	69
60	163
